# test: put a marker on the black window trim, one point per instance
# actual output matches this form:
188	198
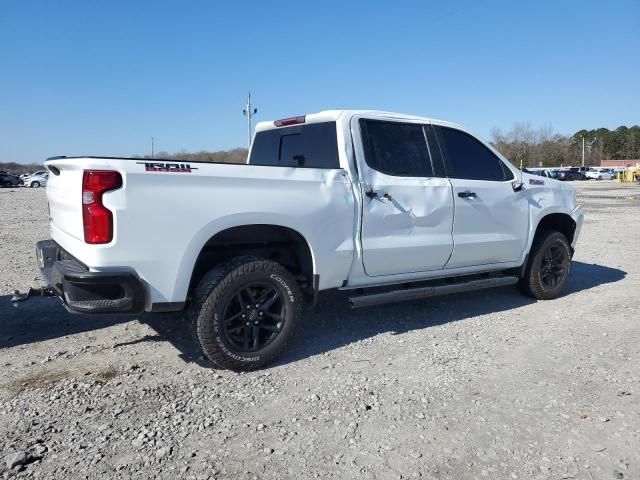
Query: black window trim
504	169
364	134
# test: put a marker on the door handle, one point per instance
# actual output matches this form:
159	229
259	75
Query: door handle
373	194
467	194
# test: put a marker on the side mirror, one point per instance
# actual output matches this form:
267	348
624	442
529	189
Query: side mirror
517	186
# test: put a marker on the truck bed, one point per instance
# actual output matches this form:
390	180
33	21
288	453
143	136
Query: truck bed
164	214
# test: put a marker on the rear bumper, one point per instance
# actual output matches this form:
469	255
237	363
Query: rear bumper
83	291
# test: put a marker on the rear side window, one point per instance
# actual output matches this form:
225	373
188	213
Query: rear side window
468	158
394	148
313	146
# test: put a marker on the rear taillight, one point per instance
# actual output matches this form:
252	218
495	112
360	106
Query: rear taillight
98	219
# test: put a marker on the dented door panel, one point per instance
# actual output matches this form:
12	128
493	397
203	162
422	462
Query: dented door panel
411	231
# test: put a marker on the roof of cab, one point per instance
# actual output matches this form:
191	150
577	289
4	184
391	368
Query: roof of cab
334	115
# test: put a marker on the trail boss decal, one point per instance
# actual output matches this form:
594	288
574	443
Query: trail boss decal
535	181
167	167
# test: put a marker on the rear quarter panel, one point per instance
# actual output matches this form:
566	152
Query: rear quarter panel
163	219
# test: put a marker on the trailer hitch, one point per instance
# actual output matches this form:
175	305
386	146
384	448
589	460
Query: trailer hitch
18	297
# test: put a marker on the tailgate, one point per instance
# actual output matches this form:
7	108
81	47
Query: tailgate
64	193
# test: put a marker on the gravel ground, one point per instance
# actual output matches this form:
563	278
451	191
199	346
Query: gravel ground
488	384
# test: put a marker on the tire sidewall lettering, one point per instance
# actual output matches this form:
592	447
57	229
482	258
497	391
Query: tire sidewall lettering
235	356
284	284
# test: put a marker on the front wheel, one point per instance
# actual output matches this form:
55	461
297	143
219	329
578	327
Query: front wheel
35	184
245	312
548	267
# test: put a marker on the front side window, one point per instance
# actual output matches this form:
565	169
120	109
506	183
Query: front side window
314	145
468	158
394	148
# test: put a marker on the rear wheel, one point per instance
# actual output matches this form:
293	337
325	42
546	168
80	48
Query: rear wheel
35	184
548	267
245	312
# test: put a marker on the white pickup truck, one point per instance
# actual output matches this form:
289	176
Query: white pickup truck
388	206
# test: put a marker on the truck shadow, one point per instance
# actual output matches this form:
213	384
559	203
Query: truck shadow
41	319
332	325
335	324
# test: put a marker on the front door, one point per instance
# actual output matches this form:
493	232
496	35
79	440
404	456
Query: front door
407	201
491	219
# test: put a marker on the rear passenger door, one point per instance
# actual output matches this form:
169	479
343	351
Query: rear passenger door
491	219
407	201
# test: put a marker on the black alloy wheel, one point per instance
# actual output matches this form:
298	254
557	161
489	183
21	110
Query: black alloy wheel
254	316
555	263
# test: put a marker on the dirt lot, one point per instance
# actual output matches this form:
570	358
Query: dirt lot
483	385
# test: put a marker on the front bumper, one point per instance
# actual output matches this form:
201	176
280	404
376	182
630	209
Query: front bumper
83	291
578	217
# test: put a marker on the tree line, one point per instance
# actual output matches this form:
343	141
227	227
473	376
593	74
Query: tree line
236	155
522	145
19	168
542	147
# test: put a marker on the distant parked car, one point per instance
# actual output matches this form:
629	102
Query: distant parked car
579	169
38	179
570	175
548	173
617	170
599	174
9	180
542	173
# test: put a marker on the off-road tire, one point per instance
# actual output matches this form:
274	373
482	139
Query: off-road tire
212	297
532	283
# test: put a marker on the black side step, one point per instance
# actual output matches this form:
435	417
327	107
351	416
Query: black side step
430	291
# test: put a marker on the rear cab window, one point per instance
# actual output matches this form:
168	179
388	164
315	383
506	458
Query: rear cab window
312	145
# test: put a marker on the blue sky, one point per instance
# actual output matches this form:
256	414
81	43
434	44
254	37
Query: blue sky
85	77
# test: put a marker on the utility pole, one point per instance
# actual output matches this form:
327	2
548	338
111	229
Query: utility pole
583	152
249	112
152	153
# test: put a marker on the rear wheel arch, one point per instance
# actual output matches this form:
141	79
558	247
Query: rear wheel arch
281	244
